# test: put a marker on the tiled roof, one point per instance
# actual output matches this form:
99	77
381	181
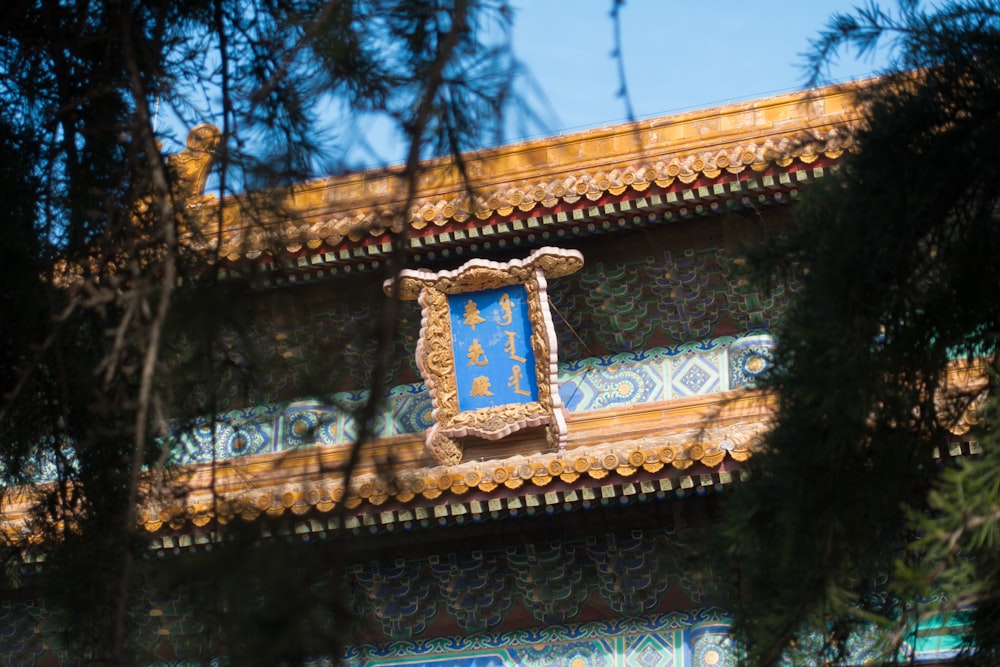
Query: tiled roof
607	459
670	166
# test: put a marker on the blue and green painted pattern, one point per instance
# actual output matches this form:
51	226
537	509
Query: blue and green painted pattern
685	639
29	634
700	638
621	380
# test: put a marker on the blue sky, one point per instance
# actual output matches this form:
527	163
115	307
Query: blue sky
679	55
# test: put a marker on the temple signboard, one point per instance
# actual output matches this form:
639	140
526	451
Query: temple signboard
487	348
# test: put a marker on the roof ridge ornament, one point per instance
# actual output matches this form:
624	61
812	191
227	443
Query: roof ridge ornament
193	164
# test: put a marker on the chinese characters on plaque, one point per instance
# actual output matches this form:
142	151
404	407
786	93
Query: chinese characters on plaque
487	348
491	333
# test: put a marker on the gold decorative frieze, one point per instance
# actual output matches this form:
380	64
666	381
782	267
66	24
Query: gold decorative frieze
692	452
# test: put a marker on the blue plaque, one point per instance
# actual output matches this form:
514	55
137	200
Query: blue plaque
487	348
491	340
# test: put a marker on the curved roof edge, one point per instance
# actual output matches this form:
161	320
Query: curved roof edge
642	167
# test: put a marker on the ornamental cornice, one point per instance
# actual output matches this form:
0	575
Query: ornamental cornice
730	145
454	496
635	178
674	462
666	445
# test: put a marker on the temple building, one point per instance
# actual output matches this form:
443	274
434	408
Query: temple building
526	495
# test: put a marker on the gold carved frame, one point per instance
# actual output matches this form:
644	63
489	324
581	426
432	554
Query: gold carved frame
435	352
